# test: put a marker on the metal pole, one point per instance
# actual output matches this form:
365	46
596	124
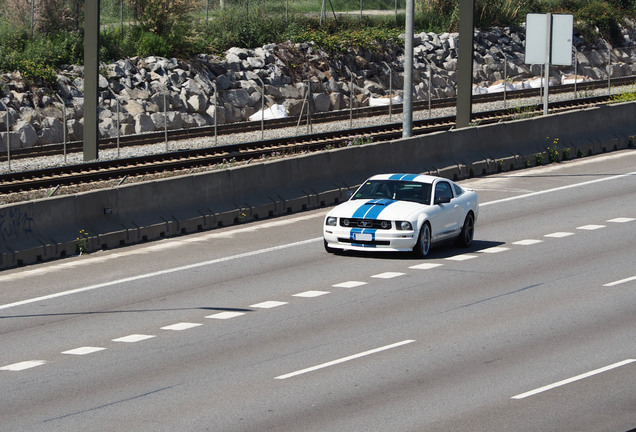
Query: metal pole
165	119
350	97
8	136
32	16
309	129
91	73
548	45
609	69
262	108
430	88
390	89
63	126
575	71
407	110
121	19
118	126
361	7
215	114
207	14
465	63
505	78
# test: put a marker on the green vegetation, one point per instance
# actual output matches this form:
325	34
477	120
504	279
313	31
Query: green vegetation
184	28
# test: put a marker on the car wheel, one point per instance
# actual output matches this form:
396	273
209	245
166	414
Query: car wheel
423	245
329	249
465	238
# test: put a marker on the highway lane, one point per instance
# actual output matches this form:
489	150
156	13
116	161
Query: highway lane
225	322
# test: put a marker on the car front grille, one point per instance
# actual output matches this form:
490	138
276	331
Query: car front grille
365	223
365	242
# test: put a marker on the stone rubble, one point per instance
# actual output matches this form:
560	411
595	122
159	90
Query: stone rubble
138	95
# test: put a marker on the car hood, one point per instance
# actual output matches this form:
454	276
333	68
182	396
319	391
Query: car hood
378	209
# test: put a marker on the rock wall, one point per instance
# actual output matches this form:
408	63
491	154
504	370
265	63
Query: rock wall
150	91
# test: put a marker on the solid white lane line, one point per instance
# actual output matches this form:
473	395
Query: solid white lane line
590	227
387	275
349	284
425	266
181	326
559	234
133	338
618	282
15	367
83	350
576	378
527	242
157	273
548	191
310	294
225	315
344	359
268	304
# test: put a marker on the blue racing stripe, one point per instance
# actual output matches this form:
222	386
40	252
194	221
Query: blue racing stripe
372	208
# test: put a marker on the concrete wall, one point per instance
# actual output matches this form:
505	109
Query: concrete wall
47	229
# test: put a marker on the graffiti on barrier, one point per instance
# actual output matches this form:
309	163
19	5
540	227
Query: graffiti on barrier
15	222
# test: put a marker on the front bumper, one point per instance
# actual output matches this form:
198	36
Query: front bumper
369	239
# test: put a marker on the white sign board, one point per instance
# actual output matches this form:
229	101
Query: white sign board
559	33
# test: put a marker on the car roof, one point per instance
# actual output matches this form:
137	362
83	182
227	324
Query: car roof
421	178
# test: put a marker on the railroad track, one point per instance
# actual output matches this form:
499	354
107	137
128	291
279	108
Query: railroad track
245	152
316	118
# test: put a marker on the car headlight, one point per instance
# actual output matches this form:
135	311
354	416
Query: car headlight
331	221
404	226
385	224
346	222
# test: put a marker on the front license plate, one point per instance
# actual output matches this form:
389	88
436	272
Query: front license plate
362	237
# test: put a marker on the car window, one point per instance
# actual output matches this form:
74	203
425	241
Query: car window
458	190
442	190
394	190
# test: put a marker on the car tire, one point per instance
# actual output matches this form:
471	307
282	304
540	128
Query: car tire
465	237
329	249
423	245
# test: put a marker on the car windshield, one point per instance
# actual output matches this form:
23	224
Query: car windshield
394	190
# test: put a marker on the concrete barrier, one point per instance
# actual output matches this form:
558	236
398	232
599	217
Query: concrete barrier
47	229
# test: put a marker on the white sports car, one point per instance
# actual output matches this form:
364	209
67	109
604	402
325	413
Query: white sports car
402	212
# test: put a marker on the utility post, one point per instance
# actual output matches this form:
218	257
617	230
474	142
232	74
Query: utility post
407	106
465	63
91	71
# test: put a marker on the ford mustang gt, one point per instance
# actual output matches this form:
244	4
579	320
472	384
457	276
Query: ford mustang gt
402	212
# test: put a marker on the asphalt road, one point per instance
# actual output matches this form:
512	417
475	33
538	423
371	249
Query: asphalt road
256	328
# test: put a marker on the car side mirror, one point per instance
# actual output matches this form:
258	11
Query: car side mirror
442	200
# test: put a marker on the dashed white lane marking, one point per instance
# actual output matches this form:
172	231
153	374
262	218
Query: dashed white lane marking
181	326
621	220
590	227
349	284
425	266
559	234
494	249
462	257
225	315
576	378
344	359
310	294
387	275
83	350
157	273
527	242
15	367
268	304
133	338
618	282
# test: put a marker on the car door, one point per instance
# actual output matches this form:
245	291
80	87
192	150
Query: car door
449	214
